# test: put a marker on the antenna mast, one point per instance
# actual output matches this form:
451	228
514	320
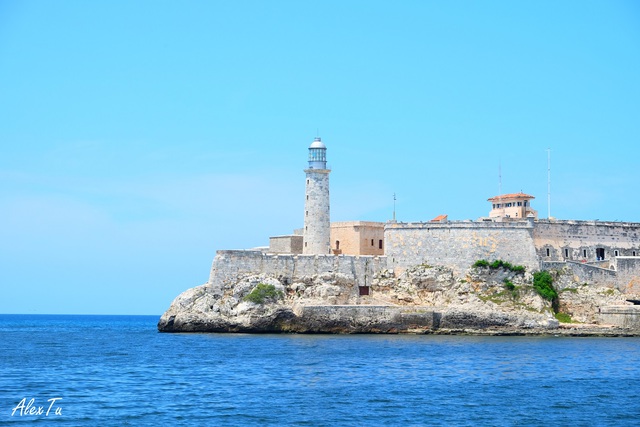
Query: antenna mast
394	207
500	186
549	183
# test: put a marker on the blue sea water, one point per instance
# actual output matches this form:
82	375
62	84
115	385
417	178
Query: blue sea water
119	371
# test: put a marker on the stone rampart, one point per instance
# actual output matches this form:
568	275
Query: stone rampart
625	316
586	273
459	244
628	271
585	240
228	265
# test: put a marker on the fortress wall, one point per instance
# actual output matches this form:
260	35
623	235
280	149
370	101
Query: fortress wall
587	273
459	244
228	265
576	237
628	270
625	316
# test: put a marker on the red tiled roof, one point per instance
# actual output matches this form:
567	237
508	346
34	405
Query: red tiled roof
439	218
510	197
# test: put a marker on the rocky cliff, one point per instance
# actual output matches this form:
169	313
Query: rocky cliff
423	299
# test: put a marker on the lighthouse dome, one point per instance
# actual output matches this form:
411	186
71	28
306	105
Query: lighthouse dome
317	143
317	154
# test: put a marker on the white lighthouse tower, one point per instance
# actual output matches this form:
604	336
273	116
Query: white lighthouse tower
317	223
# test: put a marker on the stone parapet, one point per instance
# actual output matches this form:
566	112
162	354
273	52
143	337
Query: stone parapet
229	265
586	273
459	224
624	316
458	245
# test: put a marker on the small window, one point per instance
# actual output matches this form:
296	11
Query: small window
307	182
372	244
379	244
615	253
337	245
566	253
584	253
307	197
548	251
634	253
363	290
305	244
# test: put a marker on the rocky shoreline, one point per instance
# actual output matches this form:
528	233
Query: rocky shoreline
563	330
422	300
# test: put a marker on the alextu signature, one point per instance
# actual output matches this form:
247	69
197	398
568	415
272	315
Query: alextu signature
30	408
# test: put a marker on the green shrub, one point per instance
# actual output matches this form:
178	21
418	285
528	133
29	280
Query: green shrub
481	263
518	268
495	264
509	284
263	293
563	318
499	264
543	284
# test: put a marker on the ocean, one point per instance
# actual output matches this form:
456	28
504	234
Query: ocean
119	371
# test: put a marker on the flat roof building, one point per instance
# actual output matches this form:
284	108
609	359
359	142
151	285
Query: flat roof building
357	238
514	206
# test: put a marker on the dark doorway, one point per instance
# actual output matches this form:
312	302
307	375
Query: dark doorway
600	253
364	290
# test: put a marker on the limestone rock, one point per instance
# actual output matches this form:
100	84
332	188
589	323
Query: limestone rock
422	299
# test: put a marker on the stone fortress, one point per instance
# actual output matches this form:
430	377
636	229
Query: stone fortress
363	276
598	252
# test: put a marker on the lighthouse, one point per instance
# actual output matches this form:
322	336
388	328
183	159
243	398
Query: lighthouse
317	222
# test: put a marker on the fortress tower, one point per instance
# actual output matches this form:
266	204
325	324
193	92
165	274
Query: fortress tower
317	223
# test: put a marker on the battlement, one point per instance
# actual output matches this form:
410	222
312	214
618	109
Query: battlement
459	244
228	265
595	222
460	225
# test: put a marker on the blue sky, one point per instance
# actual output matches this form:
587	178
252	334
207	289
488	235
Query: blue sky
139	137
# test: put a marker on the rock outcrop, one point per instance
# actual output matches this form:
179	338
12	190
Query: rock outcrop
423	299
